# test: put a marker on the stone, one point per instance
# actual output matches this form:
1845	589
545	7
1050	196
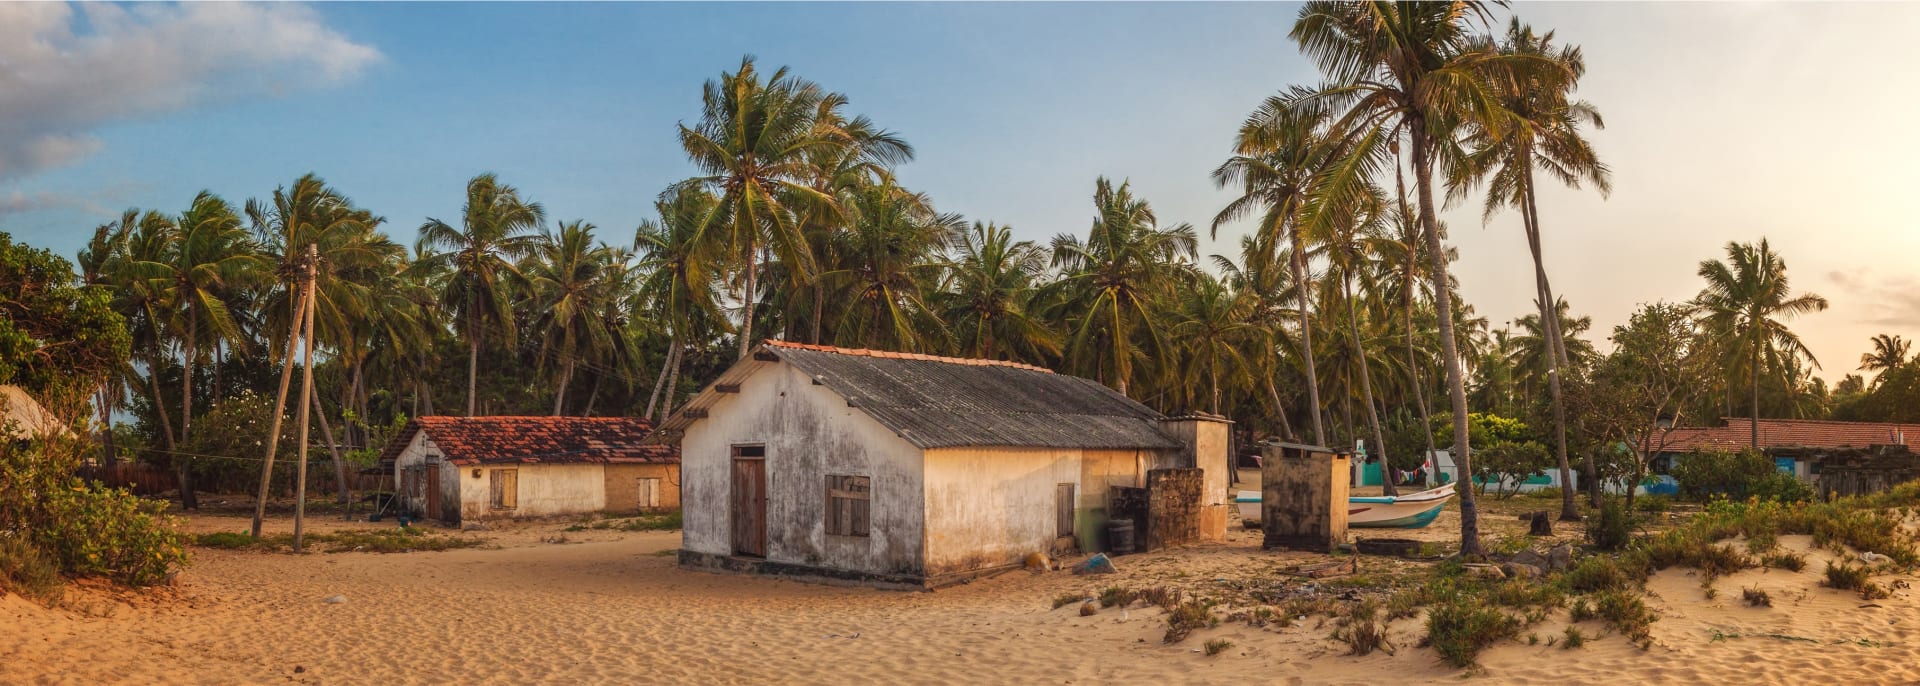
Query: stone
1089	608
1514	570
1541	524
1528	557
1485	571
335	599
1560	558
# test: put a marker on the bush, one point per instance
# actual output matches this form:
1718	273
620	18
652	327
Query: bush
1574	639
1117	596
1848	577
1458	630
1068	598
1785	559
1596	573
1626	613
1612	528
1736	475
1755	597
85	529
1363	631
1780	487
1187	617
1215	646
27	571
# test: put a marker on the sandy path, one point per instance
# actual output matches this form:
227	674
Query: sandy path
612	608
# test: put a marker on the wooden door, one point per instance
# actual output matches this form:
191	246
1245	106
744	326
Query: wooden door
750	506
649	494
433	491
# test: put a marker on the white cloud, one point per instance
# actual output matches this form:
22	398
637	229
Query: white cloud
67	69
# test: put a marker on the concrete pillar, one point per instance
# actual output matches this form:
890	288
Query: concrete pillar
1206	445
1303	497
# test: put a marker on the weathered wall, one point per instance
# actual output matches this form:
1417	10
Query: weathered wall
992	506
545	490
623	487
1100	472
809	432
421	451
1174	507
1207	446
1303	499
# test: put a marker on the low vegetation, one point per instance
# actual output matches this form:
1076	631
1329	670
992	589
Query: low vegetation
394	540
670	521
1216	646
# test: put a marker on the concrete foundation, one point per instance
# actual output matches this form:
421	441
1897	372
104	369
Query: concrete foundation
1303	497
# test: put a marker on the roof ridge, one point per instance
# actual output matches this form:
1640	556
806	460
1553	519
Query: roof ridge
1764	420
885	354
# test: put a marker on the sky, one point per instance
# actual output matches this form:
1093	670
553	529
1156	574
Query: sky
1725	122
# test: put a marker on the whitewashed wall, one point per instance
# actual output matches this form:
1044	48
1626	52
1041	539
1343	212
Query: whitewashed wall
809	433
545	490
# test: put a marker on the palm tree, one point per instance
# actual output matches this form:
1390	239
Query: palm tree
1348	248
213	259
567	279
1211	323
497	227
1411	67
752	146
678	271
990	294
1544	133
1267	285
1888	352
890	261
1281	154
1747	301
1116	278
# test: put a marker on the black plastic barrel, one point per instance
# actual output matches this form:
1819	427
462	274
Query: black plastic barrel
1120	536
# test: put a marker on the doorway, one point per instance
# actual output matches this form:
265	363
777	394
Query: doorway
750	500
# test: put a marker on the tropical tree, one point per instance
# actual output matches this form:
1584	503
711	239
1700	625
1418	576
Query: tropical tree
569	279
1747	302
891	259
678	270
1115	281
1888	352
1412	67
497	228
214	258
1210	322
752	147
989	297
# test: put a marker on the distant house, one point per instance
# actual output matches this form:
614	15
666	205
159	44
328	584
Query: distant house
914	470
466	469
1796	445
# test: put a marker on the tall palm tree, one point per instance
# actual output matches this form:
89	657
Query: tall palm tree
751	146
1747	301
568	283
497	227
1280	157
1888	352
891	259
1348	248
1412	67
1117	278
1543	134
1267	285
989	298
679	271
213	259
1210	321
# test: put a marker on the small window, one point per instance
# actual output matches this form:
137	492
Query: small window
506	488
848	505
749	452
1063	510
649	493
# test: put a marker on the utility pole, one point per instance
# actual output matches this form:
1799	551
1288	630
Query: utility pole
306	407
280	403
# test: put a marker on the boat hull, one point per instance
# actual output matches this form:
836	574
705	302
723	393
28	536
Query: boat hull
1374	512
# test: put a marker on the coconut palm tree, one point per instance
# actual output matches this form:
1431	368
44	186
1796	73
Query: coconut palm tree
678	270
1347	246
1211	323
1268	286
1543	134
751	146
891	258
497	228
989	298
1116	279
1412	68
214	258
1888	352
568	284
1747	301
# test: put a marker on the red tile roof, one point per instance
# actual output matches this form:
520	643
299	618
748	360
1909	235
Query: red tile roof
1737	433
512	439
862	352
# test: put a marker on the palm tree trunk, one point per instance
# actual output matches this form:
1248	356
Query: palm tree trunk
1449	347
186	374
653	399
593	396
819	308
333	447
1556	356
560	395
1407	288
673	382
746	309
1755	397
1279	408
473	363
219	355
1366	389
1299	266
108	457
159	402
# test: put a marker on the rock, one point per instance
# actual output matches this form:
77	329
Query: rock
1515	570
297	669
1874	558
1560	558
1485	571
1038	562
1089	608
1528	557
335	599
1098	564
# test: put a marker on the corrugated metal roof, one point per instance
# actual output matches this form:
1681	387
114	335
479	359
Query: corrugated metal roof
936	402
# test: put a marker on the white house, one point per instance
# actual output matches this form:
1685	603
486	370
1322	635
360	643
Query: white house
913	470
466	469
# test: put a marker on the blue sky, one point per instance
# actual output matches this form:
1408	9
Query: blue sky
1726	122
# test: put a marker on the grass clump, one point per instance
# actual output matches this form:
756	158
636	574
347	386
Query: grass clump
1459	629
1784	559
1066	599
1596	573
1625	613
1116	596
1754	597
1362	630
1216	646
1183	620
1162	597
27	571
1847	576
394	540
1612	527
1572	638
670	521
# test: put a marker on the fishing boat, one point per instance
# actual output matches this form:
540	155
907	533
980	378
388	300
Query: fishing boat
1411	511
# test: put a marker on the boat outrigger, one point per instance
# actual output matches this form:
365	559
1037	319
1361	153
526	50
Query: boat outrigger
1411	511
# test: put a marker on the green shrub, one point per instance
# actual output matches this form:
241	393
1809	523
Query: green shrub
85	529
1738	476
1653	503
1117	596
27	571
1780	487
1574	639
1847	577
1624	612
1068	598
1612	527
1459	629
1183	620
1362	630
1596	573
1785	559
1215	646
1755	597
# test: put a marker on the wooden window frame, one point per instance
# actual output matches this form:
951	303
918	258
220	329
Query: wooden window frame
849	506
1064	525
499	497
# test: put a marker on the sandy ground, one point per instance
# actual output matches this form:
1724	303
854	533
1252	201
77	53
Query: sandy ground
611	607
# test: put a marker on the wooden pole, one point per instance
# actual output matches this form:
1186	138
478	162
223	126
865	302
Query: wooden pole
306	408
280	403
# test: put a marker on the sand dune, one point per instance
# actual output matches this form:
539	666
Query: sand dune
611	607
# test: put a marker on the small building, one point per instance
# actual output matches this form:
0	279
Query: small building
468	469
1797	446
913	470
